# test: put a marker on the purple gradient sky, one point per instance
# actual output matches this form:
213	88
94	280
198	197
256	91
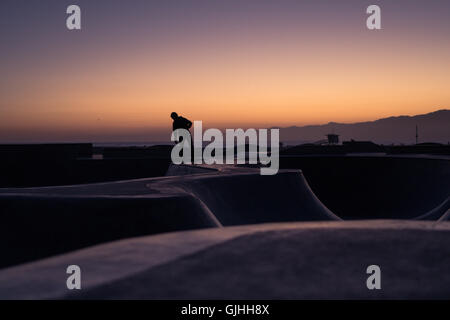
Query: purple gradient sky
229	63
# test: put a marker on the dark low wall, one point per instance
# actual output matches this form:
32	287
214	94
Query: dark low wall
365	147
53	172
420	149
137	152
46	151
34	165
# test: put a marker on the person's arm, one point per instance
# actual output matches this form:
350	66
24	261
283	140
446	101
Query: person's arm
188	123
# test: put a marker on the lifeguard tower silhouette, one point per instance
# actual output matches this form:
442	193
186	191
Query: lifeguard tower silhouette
333	138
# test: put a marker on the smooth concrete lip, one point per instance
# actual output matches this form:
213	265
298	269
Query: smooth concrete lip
161	185
108	183
105	263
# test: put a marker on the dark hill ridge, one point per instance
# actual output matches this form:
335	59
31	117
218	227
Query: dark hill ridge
433	127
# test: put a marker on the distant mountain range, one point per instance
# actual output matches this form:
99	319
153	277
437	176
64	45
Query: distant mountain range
432	127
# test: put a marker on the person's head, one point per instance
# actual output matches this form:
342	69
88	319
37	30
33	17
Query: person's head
174	115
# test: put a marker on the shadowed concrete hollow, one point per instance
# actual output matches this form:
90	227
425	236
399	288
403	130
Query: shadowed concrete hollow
61	219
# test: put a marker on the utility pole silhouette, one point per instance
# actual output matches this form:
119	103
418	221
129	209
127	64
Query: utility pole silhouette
417	134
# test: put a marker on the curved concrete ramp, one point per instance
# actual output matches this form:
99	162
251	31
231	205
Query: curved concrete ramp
37	226
61	219
182	170
375	187
314	260
446	216
248	198
437	213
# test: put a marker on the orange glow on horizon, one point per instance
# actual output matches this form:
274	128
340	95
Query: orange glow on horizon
249	79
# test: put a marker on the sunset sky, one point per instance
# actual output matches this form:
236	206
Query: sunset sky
229	63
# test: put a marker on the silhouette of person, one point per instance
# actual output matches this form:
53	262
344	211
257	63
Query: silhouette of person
180	122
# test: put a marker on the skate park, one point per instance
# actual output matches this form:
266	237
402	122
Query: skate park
221	206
